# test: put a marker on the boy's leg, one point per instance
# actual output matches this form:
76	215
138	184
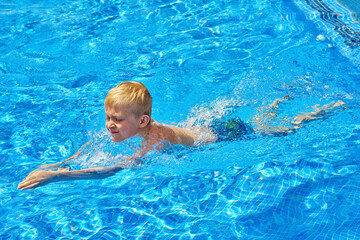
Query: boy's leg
262	121
318	114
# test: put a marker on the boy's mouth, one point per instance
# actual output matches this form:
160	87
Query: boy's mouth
112	132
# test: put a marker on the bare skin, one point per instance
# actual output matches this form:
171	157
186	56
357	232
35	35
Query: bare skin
307	117
262	121
122	124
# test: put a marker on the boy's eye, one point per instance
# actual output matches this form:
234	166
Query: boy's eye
119	119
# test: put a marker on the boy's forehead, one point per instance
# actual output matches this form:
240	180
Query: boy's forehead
118	109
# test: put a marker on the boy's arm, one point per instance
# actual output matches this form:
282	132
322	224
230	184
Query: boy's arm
55	165
39	178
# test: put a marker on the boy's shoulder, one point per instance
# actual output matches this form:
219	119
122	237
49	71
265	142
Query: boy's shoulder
160	131
171	133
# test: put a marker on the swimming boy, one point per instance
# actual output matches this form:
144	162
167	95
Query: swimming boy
128	113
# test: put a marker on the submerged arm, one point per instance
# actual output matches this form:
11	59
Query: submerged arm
55	165
39	178
46	174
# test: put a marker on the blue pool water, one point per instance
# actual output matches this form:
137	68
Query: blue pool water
200	60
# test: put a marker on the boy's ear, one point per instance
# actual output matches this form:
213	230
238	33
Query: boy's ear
144	121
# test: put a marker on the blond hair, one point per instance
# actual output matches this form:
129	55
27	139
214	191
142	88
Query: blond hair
130	94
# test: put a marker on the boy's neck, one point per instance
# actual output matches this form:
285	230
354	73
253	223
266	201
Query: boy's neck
144	132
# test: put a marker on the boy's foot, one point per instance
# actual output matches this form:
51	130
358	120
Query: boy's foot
338	103
287	97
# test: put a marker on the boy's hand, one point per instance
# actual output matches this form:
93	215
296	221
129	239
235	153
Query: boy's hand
37	178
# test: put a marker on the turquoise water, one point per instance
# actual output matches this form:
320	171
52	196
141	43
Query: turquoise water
200	60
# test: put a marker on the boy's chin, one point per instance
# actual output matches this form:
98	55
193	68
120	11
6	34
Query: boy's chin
115	139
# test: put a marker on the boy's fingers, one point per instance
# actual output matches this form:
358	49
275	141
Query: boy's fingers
28	176
27	179
30	186
24	184
27	185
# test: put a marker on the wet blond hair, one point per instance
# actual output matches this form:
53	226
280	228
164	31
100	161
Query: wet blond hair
130	94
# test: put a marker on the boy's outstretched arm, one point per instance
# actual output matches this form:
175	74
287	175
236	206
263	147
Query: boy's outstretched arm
39	178
55	165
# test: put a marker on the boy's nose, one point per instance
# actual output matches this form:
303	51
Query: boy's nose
109	124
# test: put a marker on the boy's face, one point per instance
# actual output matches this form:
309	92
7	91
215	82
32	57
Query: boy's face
122	123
